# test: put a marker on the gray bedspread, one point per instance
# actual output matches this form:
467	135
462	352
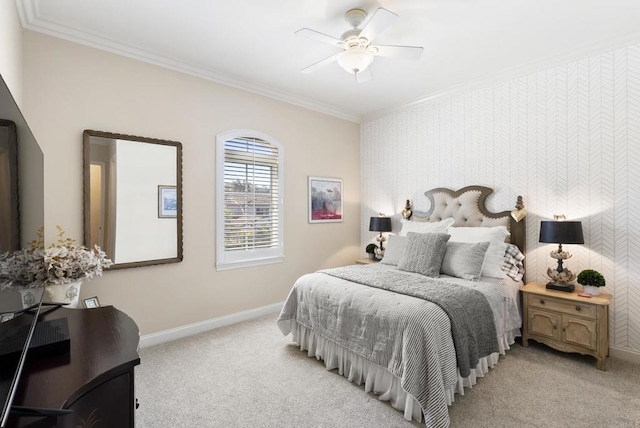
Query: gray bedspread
472	325
410	337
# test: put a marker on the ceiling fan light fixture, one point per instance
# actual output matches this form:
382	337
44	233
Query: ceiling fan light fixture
358	51
355	60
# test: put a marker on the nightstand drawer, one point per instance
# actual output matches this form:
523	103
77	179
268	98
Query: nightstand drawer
579	309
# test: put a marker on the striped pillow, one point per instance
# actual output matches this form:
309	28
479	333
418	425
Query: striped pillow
495	254
464	260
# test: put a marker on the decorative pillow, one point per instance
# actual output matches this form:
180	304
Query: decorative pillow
423	253
394	249
513	264
425	227
496	235
464	260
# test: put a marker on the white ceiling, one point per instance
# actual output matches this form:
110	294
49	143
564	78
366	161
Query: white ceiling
251	43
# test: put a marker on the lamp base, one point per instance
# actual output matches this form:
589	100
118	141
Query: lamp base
559	286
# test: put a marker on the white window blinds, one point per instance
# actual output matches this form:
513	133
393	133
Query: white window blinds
251	201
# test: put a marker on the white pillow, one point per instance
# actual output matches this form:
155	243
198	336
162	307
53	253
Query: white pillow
394	249
494	258
425	227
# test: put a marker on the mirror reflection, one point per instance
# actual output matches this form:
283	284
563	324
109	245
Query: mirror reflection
9	218
132	198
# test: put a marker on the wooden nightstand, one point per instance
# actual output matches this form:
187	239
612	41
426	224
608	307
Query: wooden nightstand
366	261
566	321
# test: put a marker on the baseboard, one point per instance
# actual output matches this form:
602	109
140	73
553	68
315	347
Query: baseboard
624	354
199	327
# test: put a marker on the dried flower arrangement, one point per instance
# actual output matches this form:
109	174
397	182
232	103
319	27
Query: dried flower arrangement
63	262
24	267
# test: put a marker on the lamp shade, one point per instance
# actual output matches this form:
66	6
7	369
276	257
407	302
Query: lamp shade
380	224
561	232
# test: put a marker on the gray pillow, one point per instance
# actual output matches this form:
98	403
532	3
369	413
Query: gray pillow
394	250
423	253
464	260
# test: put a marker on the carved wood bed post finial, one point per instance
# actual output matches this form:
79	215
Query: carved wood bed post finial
406	212
519	213
519	203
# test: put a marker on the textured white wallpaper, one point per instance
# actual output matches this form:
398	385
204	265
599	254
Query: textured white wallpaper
567	139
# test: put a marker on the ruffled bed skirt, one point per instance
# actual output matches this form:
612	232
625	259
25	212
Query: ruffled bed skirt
377	378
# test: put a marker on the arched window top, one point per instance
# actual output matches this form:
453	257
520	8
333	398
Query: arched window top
249	134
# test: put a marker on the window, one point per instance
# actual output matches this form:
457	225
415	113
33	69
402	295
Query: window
249	193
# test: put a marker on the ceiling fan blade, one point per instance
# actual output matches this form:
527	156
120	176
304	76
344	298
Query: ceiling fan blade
321	63
364	75
313	34
381	19
402	52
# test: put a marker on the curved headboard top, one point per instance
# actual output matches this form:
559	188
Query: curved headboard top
468	208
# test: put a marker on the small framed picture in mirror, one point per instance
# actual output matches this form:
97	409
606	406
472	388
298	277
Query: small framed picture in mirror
167	202
91	302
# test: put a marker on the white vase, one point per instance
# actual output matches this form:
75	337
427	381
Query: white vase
593	290
65	293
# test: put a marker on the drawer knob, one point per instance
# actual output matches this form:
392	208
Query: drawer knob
578	308
542	301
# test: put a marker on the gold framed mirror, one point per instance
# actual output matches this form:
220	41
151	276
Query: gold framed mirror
133	198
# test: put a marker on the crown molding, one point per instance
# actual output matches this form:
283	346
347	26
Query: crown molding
28	12
556	60
29	16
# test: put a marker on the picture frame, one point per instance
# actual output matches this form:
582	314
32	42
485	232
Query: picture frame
91	302
6	317
167	201
325	200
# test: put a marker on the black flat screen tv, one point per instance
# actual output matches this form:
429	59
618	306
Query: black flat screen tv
21	215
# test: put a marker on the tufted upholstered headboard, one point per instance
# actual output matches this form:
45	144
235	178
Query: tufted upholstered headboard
468	208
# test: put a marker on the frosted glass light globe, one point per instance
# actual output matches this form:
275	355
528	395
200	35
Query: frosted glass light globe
355	60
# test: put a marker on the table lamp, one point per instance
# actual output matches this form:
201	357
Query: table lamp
380	224
561	232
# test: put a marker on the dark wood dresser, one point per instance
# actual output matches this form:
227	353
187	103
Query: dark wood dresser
95	380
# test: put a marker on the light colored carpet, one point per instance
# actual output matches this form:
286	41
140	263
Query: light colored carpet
249	375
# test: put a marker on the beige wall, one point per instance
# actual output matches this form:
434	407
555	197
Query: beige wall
11	48
69	88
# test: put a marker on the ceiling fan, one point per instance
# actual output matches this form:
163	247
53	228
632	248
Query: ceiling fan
357	50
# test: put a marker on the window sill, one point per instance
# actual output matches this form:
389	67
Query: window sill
248	263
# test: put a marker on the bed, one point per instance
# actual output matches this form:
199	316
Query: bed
431	317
